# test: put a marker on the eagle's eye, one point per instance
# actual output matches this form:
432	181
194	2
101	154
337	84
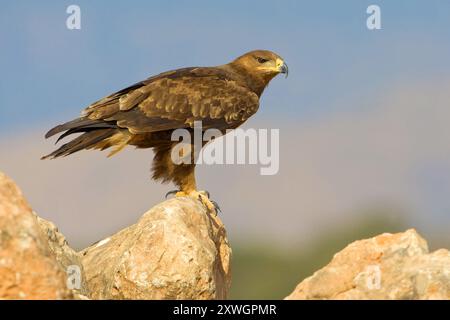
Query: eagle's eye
261	60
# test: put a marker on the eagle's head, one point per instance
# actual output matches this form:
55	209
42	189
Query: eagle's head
263	63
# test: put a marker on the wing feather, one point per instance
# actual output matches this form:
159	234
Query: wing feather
176	99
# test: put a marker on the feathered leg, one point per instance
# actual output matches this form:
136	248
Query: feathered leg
182	175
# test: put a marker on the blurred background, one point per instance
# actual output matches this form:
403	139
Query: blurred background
363	120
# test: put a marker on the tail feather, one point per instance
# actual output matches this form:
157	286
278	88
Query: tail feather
76	130
96	134
87	140
78	124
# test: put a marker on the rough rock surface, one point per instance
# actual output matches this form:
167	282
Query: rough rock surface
177	250
28	266
68	259
388	266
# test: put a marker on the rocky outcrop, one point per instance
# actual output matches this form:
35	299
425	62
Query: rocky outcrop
389	266
177	250
29	268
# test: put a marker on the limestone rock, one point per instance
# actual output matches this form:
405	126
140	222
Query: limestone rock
28	266
388	266
177	250
68	259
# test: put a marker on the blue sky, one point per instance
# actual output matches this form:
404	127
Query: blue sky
336	63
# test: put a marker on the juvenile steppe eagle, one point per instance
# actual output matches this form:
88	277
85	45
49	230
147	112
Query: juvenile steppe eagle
145	114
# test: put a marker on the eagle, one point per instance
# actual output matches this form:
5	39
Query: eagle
145	114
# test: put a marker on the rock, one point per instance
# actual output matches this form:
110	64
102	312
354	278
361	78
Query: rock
68	259
177	250
28	266
388	266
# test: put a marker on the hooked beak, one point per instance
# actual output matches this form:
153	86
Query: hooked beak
284	69
282	66
279	67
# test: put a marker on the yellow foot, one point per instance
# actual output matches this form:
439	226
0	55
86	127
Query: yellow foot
202	196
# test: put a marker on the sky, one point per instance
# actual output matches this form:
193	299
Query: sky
362	115
336	63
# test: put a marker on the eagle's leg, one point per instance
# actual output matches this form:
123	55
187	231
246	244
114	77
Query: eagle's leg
182	175
188	187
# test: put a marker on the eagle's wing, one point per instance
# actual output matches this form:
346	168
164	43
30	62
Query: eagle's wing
176	99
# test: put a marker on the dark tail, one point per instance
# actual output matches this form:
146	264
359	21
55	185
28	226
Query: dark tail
94	131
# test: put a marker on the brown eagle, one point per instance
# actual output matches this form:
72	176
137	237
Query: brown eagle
145	114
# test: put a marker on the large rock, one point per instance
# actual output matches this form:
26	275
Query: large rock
177	250
28	266
389	266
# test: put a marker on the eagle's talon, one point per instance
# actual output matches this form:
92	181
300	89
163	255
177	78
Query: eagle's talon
206	202
216	206
200	196
171	192
210	204
206	193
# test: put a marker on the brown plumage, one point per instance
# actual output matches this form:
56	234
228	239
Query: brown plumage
145	114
